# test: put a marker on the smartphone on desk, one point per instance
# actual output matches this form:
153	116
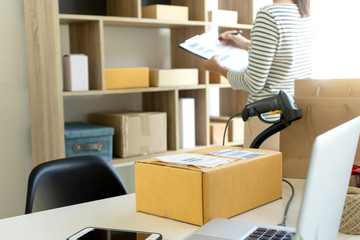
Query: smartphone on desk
91	233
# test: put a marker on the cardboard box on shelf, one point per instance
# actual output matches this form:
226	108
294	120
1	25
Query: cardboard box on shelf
166	12
223	16
174	77
217	133
235	127
216	78
196	196
119	78
136	133
75	72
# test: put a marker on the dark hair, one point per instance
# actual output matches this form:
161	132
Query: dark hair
304	7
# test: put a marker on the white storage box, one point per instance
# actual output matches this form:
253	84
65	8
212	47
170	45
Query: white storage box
223	16
174	77
187	122
75	72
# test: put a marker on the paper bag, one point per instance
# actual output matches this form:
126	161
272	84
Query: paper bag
320	114
327	87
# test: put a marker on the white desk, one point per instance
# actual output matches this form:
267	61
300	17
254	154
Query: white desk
119	212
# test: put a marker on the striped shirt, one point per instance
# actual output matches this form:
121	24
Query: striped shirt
279	52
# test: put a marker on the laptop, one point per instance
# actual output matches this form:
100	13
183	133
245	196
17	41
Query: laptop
328	176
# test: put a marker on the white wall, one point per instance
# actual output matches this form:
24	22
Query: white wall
15	145
336	45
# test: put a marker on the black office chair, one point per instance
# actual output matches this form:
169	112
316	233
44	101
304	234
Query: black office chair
73	180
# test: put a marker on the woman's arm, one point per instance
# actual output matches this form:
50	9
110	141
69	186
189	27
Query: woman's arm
214	66
264	41
236	40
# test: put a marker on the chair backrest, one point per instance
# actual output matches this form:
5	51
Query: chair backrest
73	180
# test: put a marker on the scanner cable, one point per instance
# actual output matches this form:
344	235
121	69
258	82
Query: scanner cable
283	223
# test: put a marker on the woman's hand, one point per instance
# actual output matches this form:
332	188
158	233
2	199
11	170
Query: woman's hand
214	66
236	40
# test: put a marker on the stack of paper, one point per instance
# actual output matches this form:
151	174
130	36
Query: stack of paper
208	45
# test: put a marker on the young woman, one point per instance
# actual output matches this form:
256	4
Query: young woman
280	50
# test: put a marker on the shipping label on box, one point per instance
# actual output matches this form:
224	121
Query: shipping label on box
166	12
174	77
136	133
119	78
197	196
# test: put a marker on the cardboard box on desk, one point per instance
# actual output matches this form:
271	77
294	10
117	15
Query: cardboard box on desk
196	196
136	133
119	78
166	12
174	77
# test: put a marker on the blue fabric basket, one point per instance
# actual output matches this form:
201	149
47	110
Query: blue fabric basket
88	139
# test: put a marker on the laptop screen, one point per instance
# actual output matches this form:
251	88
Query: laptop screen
328	176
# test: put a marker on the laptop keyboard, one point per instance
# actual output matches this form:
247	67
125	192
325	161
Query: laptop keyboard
273	234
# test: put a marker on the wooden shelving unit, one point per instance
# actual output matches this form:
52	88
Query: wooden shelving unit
86	33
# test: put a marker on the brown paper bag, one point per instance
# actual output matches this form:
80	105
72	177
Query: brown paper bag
320	114
327	87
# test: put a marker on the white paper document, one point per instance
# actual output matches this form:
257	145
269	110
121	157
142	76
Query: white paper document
233	153
196	160
208	45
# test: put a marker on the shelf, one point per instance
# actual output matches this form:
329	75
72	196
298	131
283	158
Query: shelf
231	26
88	34
143	22
128	21
133	90
220	85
